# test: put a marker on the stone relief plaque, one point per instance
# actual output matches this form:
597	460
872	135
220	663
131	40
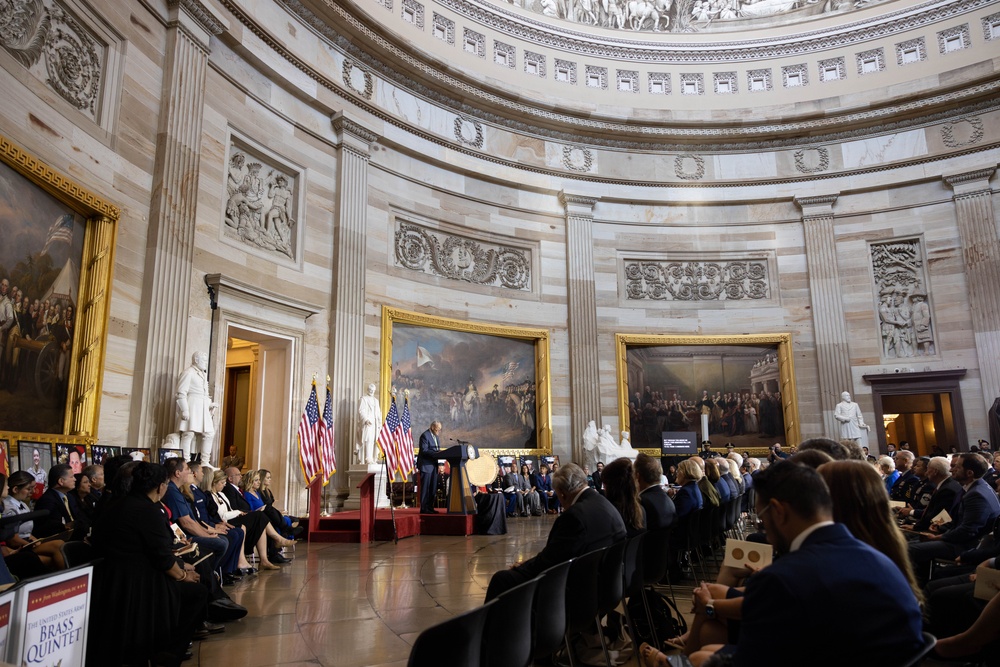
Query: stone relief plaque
439	253
901	299
54	46
261	201
724	280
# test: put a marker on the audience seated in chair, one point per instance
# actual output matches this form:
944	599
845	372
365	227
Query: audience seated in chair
258	528
24	556
657	506
588	522
621	490
62	505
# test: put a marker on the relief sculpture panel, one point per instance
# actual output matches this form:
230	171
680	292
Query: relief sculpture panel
697	280
904	314
439	253
262	201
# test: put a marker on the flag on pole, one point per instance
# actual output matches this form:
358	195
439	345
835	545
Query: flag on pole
326	446
508	371
404	441
61	231
386	439
309	427
424	357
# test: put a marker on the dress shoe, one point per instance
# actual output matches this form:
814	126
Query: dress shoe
248	571
230	580
278	559
224	610
207	629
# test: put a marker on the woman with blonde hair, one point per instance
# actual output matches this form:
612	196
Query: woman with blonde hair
861	503
256	525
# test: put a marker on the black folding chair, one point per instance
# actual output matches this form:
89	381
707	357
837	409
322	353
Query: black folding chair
929	642
457	641
548	612
582	597
508	631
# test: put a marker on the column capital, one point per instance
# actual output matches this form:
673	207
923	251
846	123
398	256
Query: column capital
198	18
970	182
352	134
578	205
820	205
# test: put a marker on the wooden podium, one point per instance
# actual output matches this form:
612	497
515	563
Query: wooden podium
460	500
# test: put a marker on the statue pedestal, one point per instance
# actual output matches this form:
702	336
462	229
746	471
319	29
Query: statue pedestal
356	475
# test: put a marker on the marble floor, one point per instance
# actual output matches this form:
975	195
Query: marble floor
351	605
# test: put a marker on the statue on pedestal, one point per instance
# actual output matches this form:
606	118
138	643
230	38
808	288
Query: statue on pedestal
195	409
848	413
371	421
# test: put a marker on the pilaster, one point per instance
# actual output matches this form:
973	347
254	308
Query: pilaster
585	381
829	324
977	226
347	327
166	288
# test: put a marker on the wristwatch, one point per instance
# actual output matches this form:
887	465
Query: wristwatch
710	609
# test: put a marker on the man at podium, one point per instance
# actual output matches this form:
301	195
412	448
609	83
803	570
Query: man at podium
427	461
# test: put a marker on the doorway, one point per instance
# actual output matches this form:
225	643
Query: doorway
924	409
236	412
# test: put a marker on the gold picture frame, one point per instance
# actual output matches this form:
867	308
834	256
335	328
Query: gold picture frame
781	343
493	358
85	366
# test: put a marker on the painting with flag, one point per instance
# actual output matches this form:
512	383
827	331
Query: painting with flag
61	231
326	445
309	439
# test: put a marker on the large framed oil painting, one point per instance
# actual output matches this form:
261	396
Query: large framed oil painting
743	385
56	260
487	384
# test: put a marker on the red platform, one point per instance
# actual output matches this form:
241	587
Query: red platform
346	526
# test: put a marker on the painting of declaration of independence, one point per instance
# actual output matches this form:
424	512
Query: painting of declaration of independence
482	388
737	386
40	256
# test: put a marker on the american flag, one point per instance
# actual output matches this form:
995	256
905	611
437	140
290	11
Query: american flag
404	441
386	439
326	446
508	372
60	231
309	427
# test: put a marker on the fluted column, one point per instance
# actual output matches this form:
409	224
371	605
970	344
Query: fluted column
977	226
166	289
585	380
347	330
829	325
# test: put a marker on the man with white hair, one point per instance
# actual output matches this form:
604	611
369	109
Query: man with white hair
945	497
588	522
906	485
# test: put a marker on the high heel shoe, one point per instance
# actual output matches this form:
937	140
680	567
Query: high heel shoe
269	566
282	542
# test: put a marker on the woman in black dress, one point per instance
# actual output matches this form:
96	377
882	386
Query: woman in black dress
148	602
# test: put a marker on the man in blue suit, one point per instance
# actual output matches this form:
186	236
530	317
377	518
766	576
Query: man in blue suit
974	516
823	578
427	462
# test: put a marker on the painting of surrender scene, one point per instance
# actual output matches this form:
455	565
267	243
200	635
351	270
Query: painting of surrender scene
40	259
738	387
482	388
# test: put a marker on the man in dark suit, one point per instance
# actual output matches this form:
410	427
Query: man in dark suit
232	490
658	506
62	505
588	522
973	518
597	477
427	462
944	496
826	571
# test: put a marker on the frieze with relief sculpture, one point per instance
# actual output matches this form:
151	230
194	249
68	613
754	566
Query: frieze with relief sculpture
904	314
696	281
261	203
47	40
461	258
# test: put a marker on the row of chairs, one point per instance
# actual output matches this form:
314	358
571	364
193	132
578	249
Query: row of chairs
565	600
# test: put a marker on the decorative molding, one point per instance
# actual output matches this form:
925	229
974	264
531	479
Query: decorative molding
505	52
630	77
472	37
822	159
44	37
565	71
577	158
598	74
871	55
443	28
967	177
666	280
699	167
944	36
456	257
468	132
839	62
720	81
414	10
697	79
262	201
661	77
568	199
537	60
757	74
988	22
202	14
342	123
818	200
348	73
902	299
801	69
917	44
972	127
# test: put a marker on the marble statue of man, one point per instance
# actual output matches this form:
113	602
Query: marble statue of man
195	409
852	424
590	441
371	421
611	450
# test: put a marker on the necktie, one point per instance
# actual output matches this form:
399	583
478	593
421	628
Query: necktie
69	513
